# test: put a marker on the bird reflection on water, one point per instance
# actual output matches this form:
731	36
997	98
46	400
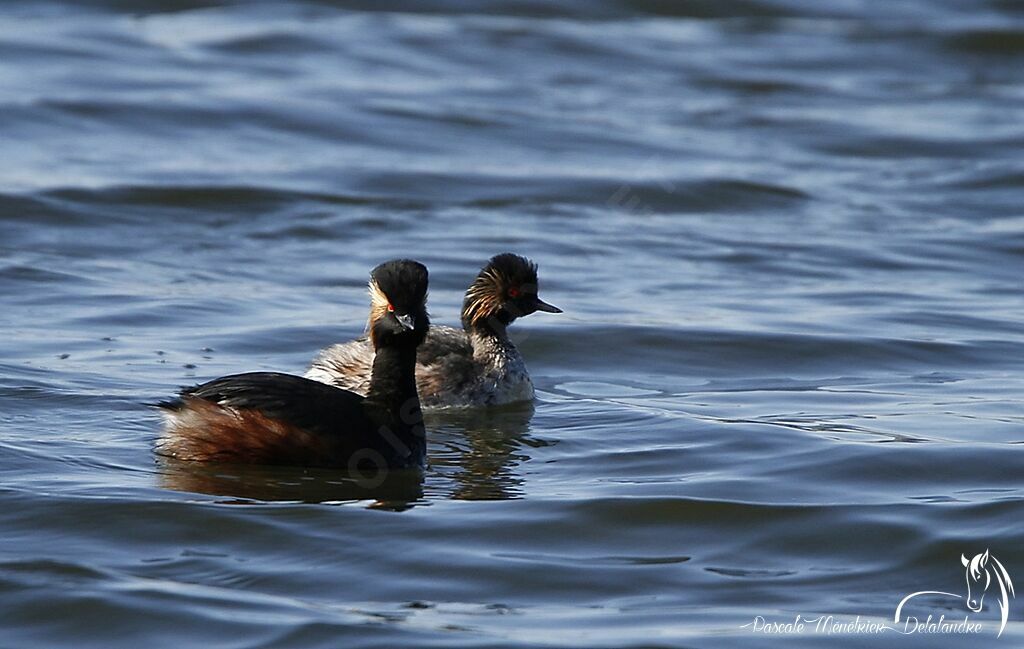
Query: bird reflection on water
476	454
472	455
394	489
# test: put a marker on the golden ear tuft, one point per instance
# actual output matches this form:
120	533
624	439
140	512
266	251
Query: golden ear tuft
485	296
379	305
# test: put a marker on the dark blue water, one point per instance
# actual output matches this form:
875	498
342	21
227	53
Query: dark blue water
788	237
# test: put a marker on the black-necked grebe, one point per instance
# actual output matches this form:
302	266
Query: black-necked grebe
478	366
272	418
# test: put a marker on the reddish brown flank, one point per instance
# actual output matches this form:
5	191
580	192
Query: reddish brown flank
199	430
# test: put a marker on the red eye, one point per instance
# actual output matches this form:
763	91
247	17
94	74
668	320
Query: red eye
391	308
513	292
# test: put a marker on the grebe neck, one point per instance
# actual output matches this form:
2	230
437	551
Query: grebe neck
493	327
393	381
492	347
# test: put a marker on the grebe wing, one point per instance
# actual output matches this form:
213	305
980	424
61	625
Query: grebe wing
297	400
444	342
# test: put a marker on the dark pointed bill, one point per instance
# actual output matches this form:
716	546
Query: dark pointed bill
406	321
547	308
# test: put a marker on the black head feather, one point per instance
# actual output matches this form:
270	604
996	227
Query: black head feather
398	303
505	289
514	269
403	282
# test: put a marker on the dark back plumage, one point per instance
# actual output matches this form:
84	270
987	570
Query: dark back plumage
264	418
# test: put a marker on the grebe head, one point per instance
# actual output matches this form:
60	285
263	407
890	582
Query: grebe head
398	303
505	289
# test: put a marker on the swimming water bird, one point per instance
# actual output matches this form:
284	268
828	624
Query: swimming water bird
273	418
477	366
